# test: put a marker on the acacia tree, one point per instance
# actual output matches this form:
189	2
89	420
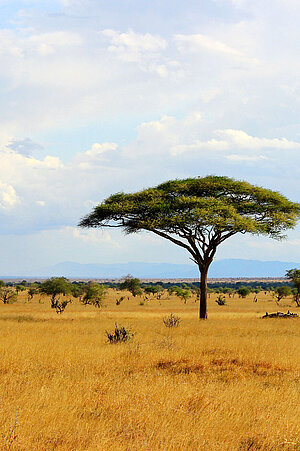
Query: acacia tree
94	294
132	284
282	292
7	295
56	287
198	214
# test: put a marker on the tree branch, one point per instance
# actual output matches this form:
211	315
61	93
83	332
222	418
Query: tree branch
175	241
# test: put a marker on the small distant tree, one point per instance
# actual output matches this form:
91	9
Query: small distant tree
94	294
282	292
293	275
132	285
20	288
56	287
8	295
183	294
32	290
154	290
2	284
173	289
243	292
78	290
196	292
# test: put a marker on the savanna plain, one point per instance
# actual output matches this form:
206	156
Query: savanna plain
229	383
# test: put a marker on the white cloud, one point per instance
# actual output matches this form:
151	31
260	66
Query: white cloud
171	136
92	236
133	46
240	139
96	156
99	149
25	42
196	42
9	44
253	158
211	145
8	196
48	43
48	162
203	103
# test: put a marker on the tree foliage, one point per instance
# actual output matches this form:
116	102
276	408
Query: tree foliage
94	294
32	290
153	289
198	214
8	295
182	293
20	287
293	275
282	292
243	292
56	287
131	284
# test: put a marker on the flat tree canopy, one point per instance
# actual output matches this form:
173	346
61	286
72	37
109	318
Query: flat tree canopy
198	214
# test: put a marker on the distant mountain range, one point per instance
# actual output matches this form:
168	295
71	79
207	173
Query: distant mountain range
219	268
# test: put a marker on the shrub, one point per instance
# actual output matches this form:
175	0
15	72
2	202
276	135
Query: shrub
121	334
121	299
171	320
221	300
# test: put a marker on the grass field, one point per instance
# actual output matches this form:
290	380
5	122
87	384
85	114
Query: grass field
229	383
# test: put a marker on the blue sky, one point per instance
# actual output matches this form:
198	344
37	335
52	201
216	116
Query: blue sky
99	97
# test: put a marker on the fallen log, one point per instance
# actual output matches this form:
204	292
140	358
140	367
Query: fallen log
280	315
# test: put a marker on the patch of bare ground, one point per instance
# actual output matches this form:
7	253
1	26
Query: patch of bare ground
222	365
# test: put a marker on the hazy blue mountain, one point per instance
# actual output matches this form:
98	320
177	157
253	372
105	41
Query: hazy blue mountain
219	268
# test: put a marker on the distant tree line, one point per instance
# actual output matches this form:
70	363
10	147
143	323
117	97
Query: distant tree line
62	291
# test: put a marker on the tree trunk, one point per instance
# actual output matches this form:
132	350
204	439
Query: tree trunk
297	298
203	292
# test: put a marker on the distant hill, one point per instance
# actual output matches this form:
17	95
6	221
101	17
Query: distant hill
219	268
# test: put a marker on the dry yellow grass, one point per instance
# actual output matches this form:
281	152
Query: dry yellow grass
229	383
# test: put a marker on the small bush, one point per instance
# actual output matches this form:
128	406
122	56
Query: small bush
121	299
171	320
121	334
221	300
